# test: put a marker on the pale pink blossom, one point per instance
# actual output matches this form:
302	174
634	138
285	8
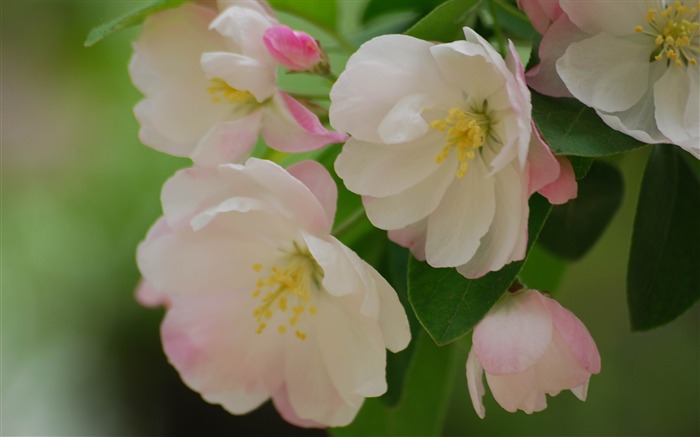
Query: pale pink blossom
210	86
541	12
263	301
443	149
634	62
294	49
529	346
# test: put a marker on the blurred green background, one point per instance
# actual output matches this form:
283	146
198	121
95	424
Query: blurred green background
81	357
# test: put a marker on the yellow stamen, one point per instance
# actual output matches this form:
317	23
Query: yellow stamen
290	284
466	133
675	32
222	91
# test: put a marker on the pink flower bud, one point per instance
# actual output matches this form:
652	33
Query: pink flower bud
528	345
294	49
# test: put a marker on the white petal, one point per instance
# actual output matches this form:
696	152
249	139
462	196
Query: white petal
467	66
673	98
475	383
211	340
392	315
404	122
414	203
383	71
517	391
374	169
592	71
228	141
510	220
617	18
352	349
311	392
514	335
241	72
413	237
462	218
319	182
244	28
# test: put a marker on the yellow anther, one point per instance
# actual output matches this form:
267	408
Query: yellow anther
639	29
675	32
651	15
693	61
466	132
289	285
222	91
300	335
257	267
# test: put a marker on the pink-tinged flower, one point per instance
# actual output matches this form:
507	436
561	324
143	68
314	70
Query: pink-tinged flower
541	12
634	62
209	86
295	50
149	297
264	302
443	149
528	345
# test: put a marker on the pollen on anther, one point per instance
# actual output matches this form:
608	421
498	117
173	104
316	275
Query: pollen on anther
639	29
300	335
282	329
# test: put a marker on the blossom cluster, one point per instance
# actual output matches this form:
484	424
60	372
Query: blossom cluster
263	301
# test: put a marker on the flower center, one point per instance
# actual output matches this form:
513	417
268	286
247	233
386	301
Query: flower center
675	33
223	92
287	288
466	132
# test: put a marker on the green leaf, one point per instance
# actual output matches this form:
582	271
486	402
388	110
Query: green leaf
377	8
571	128
397	364
449	305
445	23
663	279
423	409
129	19
513	21
581	165
573	228
323	13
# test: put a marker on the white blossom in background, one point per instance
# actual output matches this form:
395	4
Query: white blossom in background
634	62
210	86
443	149
262	302
528	346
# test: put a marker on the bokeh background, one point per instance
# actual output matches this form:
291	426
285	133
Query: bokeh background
81	357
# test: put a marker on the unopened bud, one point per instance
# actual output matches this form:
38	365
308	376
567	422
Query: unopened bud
295	50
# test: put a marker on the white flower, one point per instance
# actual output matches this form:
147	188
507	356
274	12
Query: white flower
634	62
262	301
528	345
443	149
209	86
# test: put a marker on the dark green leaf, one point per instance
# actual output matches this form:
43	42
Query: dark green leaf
663	279
573	228
397	364
323	13
445	23
571	128
581	165
130	19
447	304
422	410
513	21
377	8
542	270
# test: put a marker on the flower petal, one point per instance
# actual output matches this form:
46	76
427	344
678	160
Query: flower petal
463	216
509	221
592	71
475	383
514	335
290	127
618	18
241	72
517	391
413	237
414	203
376	77
319	182
379	170
228	141
676	103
